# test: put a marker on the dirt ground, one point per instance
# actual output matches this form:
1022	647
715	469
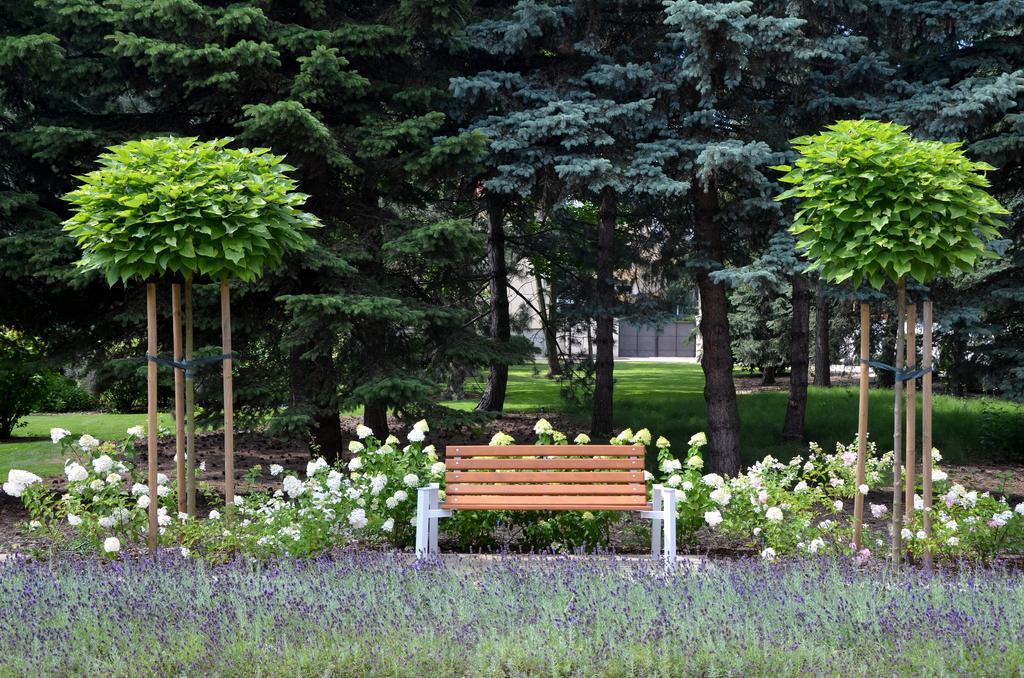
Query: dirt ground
257	448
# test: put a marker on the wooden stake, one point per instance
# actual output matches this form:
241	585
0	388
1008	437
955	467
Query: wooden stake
179	397
229	405
926	422
190	408
897	428
910	465
151	349
862	422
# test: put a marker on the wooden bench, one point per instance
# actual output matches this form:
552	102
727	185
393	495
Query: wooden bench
546	478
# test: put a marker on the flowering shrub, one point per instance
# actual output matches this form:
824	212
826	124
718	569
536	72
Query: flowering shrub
105	502
965	522
791	508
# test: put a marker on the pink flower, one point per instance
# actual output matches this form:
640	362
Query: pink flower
849	458
863	556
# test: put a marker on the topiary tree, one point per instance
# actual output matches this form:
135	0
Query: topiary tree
189	208
877	205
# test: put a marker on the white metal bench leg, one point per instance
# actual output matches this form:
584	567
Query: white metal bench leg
656	523
435	504
668	507
423	522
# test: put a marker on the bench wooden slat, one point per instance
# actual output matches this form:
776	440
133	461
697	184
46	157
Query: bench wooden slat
567	463
543	477
543	451
546	503
620	489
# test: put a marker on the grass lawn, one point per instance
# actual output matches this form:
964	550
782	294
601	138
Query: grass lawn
668	398
31	449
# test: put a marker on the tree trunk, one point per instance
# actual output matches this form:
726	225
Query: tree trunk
822	352
547	320
314	391
796	410
716	360
375	415
493	398
768	375
601	423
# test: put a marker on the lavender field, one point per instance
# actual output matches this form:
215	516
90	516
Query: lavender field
379	614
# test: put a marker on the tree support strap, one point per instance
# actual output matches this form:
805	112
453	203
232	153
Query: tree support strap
189	365
901	375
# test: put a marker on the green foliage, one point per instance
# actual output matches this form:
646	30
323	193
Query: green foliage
63	394
21	383
188	207
877	204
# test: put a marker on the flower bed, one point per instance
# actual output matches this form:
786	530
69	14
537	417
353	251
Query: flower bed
799	508
380	614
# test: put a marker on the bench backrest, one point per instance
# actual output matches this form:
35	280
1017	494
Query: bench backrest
545	477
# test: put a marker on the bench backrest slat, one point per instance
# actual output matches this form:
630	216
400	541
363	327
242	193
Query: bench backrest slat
548	477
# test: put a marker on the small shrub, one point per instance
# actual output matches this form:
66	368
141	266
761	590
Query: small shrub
21	384
63	394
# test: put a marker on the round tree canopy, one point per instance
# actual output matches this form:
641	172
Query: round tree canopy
877	204
188	207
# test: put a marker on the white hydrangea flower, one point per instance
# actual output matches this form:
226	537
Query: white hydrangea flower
411	480
137	431
316	465
143	501
58	434
938	475
215	515
713	480
388	525
401	495
293	487
863	488
102	464
276	469
542	426
161	479
768	554
355	464
648	476
879	510
363	431
953	541
97	485
500	439
430	451
111	545
139	488
416	436
1019	508
107	522
391	502
437	468
838	505
936	455
355	447
674	480
906	534
696	462
698	439
162	490
687	485
377	484
88	443
357	519
721	496
626	436
74	520
713	518
815	544
75	472
642	437
662	443
334	480
774	514
670	465
185	553
801	487
582	439
921	534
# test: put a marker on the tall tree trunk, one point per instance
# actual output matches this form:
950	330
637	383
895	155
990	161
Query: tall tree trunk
796	410
375	415
314	386
547	320
493	398
716	361
768	375
601	423
822	352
